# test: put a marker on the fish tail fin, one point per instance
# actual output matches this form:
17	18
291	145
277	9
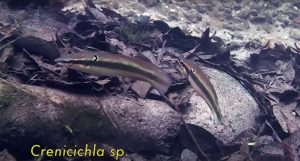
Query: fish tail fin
218	118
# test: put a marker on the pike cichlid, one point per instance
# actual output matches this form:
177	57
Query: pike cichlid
203	87
107	64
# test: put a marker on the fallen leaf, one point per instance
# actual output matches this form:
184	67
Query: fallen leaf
141	88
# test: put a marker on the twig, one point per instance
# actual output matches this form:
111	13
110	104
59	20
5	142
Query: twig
104	111
201	153
274	133
190	52
43	67
5	45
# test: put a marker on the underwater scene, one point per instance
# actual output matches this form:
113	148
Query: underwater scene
149	80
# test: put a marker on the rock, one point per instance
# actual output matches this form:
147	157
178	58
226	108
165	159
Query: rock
258	19
253	45
201	9
226	10
297	4
267	28
173	17
296	20
297	45
204	8
244	14
155	120
237	7
139	125
295	33
253	14
188	155
167	1
115	4
179	0
186	5
239	36
225	16
149	3
5	156
259	5
193	17
274	14
237	26
41	24
285	23
237	106
275	3
138	8
234	45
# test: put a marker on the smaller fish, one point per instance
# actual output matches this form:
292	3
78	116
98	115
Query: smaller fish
203	87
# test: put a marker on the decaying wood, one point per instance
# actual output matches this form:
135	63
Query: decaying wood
30	113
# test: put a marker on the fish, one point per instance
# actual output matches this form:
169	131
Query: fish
202	85
107	64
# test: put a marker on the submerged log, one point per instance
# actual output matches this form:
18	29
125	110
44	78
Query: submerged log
37	115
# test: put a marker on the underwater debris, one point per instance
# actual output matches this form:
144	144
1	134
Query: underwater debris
38	46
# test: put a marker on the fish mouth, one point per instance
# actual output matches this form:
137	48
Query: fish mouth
63	63
182	67
182	70
60	60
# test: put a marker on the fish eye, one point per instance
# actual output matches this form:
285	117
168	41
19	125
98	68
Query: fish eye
95	58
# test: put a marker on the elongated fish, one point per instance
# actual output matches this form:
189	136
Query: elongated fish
203	87
107	64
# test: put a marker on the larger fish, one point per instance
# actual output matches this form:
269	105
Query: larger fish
107	64
203	87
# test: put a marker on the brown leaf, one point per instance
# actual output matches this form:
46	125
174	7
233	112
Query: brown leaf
141	88
285	117
38	46
237	157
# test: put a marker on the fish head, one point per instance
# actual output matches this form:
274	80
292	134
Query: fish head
76	58
185	66
77	61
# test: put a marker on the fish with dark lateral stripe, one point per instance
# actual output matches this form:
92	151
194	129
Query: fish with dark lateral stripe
108	64
203	87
